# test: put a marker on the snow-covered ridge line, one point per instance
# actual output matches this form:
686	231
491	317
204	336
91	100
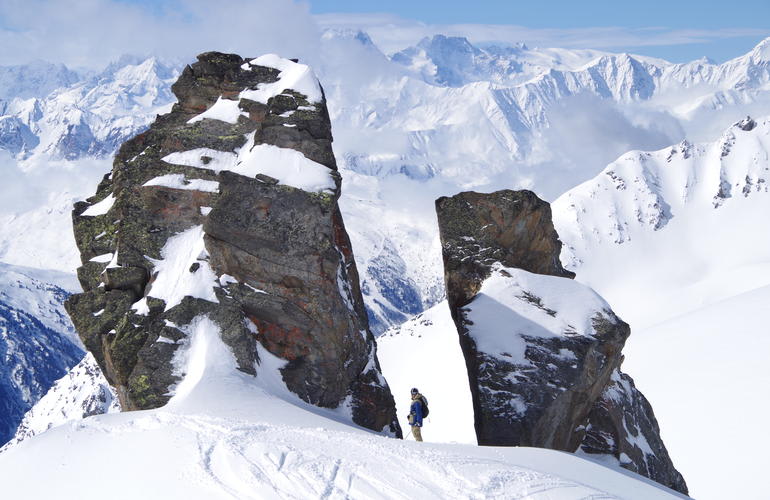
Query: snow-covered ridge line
225	433
641	192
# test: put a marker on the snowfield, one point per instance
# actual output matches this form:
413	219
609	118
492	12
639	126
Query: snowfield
228	435
710	392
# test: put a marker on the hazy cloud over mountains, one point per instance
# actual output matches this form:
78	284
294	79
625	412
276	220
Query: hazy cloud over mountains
94	32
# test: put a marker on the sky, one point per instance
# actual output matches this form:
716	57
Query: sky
676	30
93	32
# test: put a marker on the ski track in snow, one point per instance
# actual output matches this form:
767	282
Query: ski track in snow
246	460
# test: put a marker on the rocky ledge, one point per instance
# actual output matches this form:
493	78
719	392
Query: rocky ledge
227	208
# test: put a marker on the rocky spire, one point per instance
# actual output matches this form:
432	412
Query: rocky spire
227	208
542	351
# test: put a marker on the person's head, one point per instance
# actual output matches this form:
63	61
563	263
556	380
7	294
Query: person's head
415	391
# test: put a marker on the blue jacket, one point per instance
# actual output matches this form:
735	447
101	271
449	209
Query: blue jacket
416	412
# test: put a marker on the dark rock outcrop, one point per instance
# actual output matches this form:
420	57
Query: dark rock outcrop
268	260
540	348
622	424
513	228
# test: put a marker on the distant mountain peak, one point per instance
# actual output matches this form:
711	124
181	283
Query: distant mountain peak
761	52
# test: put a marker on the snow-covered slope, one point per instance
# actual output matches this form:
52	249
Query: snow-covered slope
709	389
424	352
674	240
82	392
689	217
37	343
226	434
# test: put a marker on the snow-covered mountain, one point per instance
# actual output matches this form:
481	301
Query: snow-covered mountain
36	79
405	135
674	240
431	120
81	393
689	215
445	116
37	342
90	117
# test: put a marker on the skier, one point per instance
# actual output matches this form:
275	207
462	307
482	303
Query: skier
417	410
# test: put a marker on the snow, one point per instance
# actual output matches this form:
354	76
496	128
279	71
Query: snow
402	139
225	110
220	160
174	278
226	434
82	392
710	372
288	166
294	76
179	181
101	207
694	295
103	258
528	305
425	353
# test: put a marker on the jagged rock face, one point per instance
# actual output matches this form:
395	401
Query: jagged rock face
540	348
227	207
622	424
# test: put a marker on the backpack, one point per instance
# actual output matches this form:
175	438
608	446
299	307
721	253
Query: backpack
424	403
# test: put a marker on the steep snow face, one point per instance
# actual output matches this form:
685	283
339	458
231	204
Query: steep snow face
81	393
223	436
40	294
34	357
710	378
673	239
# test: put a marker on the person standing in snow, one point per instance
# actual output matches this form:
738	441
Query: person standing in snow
416	414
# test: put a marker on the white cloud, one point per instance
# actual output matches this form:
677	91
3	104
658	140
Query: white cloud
392	33
91	33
